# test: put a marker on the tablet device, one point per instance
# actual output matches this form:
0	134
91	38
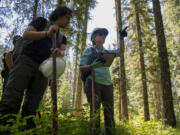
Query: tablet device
108	57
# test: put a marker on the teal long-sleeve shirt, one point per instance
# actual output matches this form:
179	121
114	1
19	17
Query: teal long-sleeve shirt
102	74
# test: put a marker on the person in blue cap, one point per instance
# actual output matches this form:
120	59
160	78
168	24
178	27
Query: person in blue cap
103	86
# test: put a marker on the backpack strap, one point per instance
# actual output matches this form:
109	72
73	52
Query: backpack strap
48	24
93	56
59	39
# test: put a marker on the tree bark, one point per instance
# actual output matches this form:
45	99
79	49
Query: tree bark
83	44
167	98
75	78
42	6
119	88
60	2
143	70
157	101
124	102
78	99
35	9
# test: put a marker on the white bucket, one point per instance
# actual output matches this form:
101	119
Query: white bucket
46	67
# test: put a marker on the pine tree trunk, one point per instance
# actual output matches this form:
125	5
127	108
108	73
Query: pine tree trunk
70	75
177	3
75	79
35	9
83	44
124	103
156	90
167	98
157	101
143	71
78	99
60	2
119	88
42	7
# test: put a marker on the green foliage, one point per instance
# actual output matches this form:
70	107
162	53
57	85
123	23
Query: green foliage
68	124
64	95
137	126
151	128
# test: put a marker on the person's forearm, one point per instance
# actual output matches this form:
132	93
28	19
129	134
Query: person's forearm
10	65
85	68
34	35
9	60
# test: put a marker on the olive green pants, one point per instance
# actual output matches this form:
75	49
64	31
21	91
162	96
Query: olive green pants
23	76
104	96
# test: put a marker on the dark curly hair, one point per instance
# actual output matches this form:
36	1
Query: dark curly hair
60	11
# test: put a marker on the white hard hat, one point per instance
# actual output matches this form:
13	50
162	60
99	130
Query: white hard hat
47	67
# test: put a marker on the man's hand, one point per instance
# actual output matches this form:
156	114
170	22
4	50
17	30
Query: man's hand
9	60
58	52
123	33
97	64
52	29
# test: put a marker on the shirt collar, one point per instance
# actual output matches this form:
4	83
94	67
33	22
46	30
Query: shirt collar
98	48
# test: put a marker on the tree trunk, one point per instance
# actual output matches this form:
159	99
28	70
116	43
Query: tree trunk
177	3
35	9
157	101
75	78
78	99
70	75
83	44
119	88
167	98
143	71
60	3
156	90
42	7
124	104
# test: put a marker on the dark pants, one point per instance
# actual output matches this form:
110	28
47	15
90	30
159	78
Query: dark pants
104	95
24	75
5	79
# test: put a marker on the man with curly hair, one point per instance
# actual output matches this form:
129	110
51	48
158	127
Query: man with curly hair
25	74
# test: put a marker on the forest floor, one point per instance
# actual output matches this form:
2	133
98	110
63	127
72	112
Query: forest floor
69	124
